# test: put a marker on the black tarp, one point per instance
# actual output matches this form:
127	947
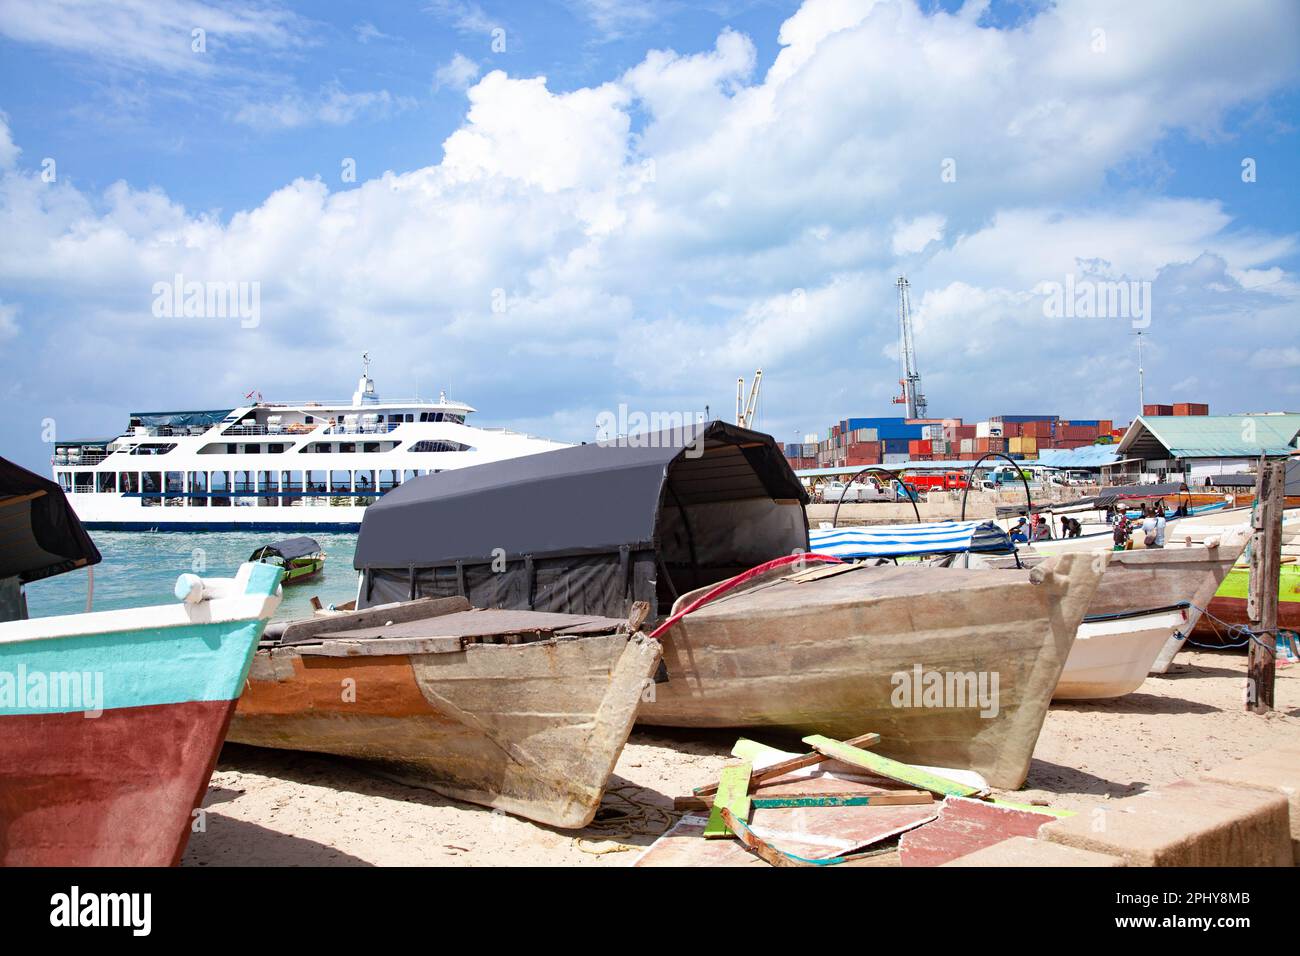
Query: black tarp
587	529
288	549
1169	489
1247	482
40	534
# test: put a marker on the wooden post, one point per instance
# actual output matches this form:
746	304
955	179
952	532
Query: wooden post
1265	571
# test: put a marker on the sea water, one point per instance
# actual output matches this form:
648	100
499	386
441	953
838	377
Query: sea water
140	568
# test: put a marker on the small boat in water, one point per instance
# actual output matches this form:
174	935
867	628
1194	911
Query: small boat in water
299	558
522	711
110	722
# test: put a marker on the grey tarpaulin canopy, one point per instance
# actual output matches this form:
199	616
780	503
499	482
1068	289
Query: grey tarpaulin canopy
1108	496
588	529
288	549
40	535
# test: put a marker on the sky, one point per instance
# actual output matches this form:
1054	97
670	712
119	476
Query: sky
563	209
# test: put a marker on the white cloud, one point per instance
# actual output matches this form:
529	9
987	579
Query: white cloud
8	151
914	235
158	34
457	73
561	256
8	320
367	31
331	106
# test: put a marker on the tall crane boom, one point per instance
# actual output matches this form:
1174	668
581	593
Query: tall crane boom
747	411
912	396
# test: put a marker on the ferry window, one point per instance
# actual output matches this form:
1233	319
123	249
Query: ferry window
410	417
370	446
83	482
244	481
347	447
220	485
275	448
232	448
365	481
252	449
266	482
175	483
388	480
65	480
340	481
151	485
410	475
291	481
198	485
315	481
128	482
108	481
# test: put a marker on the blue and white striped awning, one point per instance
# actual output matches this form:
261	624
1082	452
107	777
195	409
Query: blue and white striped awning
899	540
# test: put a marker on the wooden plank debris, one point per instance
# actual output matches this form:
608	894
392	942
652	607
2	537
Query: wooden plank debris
965	826
852	798
847	752
794	763
732	796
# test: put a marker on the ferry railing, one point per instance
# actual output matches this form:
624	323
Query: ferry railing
379	428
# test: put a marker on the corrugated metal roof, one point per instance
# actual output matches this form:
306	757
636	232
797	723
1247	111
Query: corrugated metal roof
1087	456
1214	436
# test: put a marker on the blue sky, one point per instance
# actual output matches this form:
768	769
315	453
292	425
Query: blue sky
560	207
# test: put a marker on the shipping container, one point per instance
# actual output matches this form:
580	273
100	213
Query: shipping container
1156	410
1191	408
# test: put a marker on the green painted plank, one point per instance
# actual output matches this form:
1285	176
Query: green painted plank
733	793
892	769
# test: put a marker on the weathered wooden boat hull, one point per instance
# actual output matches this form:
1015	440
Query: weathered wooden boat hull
112	777
834	657
1113	658
533	729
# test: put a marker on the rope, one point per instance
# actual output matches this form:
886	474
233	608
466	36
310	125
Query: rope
633	818
739	579
1246	634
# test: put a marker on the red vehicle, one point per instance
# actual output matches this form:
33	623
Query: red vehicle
948	481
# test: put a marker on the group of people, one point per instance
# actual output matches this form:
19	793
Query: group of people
1038	528
1150	524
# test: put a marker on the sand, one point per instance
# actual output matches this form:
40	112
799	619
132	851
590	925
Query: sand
272	808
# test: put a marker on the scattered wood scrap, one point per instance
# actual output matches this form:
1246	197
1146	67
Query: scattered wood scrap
861	817
965	826
733	797
793	763
846	752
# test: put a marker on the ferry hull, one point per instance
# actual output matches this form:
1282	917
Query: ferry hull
116	790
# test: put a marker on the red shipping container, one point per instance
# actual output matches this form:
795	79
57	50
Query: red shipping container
1191	408
1157	409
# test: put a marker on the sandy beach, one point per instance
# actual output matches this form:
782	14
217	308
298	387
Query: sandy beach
272	808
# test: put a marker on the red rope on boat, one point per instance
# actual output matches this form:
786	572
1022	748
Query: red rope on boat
739	579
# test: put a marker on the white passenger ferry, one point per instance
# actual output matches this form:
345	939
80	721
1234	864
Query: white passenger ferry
273	466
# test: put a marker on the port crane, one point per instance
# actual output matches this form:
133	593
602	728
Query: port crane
747	409
911	395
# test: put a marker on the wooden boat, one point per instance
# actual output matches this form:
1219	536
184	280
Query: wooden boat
299	558
1228	607
1112	658
832	651
110	722
522	711
1182	576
